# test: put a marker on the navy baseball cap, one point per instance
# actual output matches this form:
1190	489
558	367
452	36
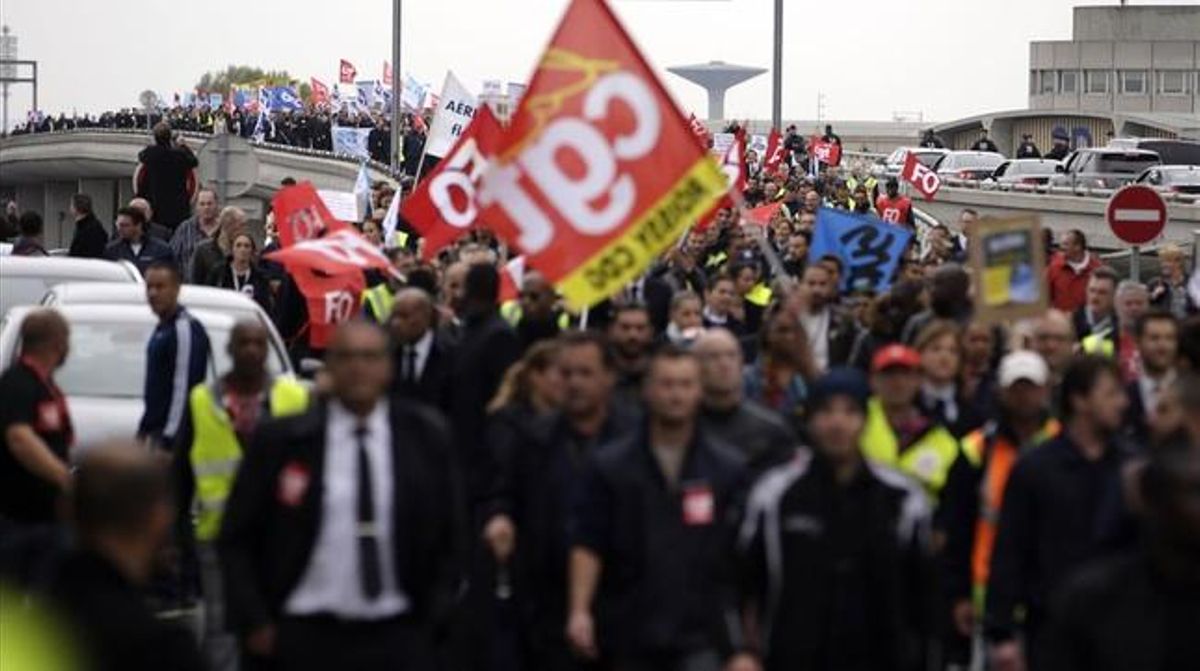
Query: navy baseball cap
841	381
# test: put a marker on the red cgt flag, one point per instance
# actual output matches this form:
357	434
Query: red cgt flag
346	72
825	151
320	92
442	207
763	214
300	214
387	73
700	131
924	180
775	154
599	172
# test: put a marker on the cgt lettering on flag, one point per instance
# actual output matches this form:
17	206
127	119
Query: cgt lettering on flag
599	172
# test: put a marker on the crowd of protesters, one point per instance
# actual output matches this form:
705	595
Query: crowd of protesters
307	128
733	463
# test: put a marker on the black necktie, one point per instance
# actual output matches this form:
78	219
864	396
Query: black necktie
368	535
410	363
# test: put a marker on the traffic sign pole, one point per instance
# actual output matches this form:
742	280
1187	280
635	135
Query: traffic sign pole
1135	264
1136	214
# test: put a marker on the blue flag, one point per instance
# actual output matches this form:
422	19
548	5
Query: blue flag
350	141
283	98
869	248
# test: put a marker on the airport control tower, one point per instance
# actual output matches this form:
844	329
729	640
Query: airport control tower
716	77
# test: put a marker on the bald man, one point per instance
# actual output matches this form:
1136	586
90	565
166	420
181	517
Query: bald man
423	363
538	318
35	426
1054	339
762	435
153	228
341	539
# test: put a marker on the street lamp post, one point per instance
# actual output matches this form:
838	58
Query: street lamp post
396	125
777	69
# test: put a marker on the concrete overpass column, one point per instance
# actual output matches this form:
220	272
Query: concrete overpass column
57	213
124	191
104	198
31	197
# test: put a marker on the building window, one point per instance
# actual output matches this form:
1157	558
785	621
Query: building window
1048	82
1173	82
1133	82
1068	81
1097	81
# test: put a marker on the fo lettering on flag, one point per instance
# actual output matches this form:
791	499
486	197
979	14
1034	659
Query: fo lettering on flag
325	258
442	207
776	154
599	173
346	72
924	180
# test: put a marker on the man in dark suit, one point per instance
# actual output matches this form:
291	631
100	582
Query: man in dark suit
166	167
1157	334
423	356
487	346
342	537
90	238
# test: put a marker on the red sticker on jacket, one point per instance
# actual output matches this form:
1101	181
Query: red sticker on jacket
293	483
49	417
698	505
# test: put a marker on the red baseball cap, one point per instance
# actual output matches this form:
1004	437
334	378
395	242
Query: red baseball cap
894	356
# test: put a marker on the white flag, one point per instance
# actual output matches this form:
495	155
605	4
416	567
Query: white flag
456	108
362	192
350	141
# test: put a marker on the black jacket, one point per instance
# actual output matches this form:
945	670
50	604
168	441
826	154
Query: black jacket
759	432
152	250
265	544
487	346
115	629
434	386
90	238
667	584
164	181
840	576
206	258
1060	510
1123	613
256	287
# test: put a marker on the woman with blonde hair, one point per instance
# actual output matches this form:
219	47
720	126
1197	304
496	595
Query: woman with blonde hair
1169	292
211	253
532	384
942	395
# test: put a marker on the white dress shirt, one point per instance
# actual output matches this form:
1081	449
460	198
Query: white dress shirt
946	394
423	346
816	327
331	584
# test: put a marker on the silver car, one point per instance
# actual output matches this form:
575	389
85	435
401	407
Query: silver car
1029	171
105	370
25	279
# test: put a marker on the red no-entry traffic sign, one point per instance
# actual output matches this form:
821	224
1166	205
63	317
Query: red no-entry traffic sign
1136	214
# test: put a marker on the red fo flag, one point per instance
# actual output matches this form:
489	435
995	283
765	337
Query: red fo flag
825	151
442	207
300	214
774	157
924	180
346	72
387	73
599	173
330	299
320	92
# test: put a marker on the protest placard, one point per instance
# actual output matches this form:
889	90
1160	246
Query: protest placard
1008	261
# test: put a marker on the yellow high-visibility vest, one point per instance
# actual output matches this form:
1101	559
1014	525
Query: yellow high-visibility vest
380	299
1098	343
216	453
759	294
927	460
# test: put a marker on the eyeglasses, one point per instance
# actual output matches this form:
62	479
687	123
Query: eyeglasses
360	354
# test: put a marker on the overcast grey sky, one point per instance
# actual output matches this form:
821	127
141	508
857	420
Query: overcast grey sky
870	58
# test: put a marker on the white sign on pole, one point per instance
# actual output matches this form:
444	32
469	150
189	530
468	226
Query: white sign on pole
720	145
343	205
456	108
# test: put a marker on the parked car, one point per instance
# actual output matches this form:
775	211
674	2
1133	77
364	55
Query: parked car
1172	152
25	279
1172	178
968	164
1025	171
237	305
894	163
1104	168
104	373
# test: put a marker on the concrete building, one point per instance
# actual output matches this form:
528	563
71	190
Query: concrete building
1126	72
1121	59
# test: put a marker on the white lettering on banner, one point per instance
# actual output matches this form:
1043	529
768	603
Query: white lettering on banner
573	196
927	180
347	249
339	306
305	223
461	173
